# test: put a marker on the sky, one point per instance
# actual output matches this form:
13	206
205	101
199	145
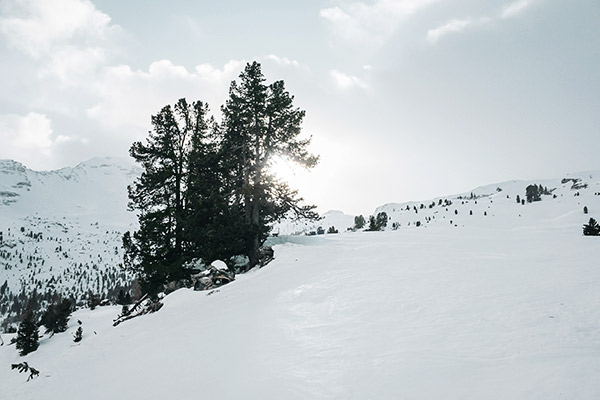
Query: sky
405	100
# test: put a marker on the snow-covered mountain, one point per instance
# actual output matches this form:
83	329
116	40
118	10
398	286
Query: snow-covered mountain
60	231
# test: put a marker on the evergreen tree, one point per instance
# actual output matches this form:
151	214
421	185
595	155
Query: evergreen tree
260	123
27	335
56	316
533	193
591	228
518	199
585	209
213	218
156	250
359	222
377	223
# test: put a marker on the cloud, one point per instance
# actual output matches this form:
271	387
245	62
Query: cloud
454	26
127	98
345	81
516	8
371	22
66	38
282	61
459	25
28	138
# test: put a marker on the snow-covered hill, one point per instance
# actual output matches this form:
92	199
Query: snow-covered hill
466	296
496	205
60	231
470	313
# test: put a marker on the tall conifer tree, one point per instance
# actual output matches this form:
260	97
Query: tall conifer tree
261	123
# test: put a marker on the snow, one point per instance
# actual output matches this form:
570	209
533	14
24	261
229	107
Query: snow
431	313
80	215
496	306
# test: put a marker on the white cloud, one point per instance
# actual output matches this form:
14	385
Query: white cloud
371	22
516	8
66	38
127	98
283	61
345	81
454	26
27	138
459	25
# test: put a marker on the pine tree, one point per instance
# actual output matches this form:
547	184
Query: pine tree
377	223
359	222
155	250
585	209
27	335
533	193
591	228
213	218
518	199
259	124
56	316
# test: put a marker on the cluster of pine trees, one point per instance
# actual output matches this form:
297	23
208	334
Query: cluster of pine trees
206	191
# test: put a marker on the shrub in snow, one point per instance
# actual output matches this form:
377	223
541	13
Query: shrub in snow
332	230
24	367
79	334
585	210
591	228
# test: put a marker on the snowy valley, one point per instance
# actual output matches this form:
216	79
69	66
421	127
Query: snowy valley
470	296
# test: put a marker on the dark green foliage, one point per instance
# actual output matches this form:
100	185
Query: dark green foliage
379	222
585	209
206	191
155	251
359	222
78	335
123	297
93	300
518	199
332	230
534	192
260	123
591	228
56	316
27	335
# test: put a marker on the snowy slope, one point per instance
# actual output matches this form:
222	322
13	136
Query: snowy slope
496	205
475	313
496	306
61	231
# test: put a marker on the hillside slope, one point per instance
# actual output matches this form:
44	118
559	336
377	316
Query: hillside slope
431	313
60	232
